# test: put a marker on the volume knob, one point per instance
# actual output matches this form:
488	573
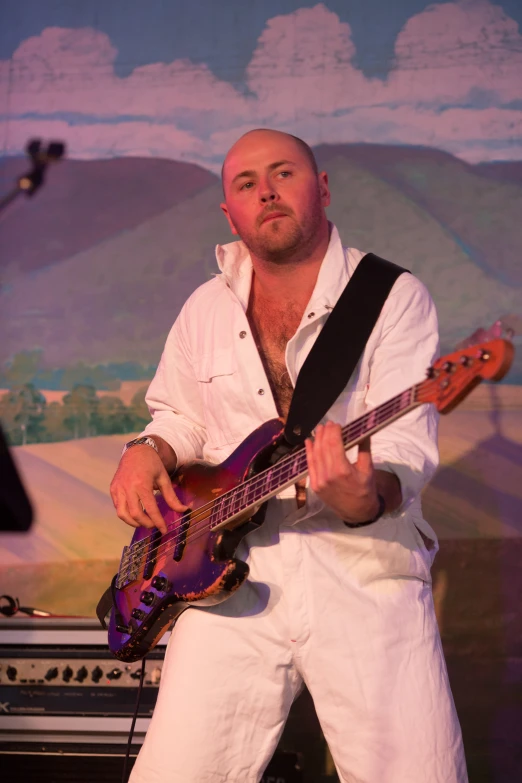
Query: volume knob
147	598
160	583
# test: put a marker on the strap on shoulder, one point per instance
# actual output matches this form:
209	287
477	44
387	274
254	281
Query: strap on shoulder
339	346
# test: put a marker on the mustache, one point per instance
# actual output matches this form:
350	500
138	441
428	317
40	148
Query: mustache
270	211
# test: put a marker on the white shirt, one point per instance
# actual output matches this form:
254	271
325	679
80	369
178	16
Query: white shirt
211	390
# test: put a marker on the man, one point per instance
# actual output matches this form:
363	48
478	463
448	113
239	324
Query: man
347	610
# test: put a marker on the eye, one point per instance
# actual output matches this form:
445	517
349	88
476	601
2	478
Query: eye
285	174
246	186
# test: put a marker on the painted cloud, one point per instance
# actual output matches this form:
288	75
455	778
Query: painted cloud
454	84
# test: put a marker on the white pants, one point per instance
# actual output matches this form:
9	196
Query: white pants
349	613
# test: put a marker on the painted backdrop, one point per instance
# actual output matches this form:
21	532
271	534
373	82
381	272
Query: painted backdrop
414	109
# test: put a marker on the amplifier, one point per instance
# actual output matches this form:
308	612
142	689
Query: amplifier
66	704
58	678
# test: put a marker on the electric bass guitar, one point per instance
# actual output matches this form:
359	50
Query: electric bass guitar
161	575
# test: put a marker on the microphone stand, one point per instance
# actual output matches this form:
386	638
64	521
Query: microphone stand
33	179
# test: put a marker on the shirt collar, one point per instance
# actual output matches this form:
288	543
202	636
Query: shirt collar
336	269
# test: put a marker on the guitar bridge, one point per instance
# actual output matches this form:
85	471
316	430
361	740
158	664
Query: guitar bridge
152	552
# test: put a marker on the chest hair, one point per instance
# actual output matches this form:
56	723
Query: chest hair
272	327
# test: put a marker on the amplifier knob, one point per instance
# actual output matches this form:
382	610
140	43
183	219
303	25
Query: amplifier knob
147	598
81	674
67	674
51	674
114	674
11	673
97	674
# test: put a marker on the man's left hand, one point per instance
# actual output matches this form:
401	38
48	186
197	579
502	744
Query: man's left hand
349	489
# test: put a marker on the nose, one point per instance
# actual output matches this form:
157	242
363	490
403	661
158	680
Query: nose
267	193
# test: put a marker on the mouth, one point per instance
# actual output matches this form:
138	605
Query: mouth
273	216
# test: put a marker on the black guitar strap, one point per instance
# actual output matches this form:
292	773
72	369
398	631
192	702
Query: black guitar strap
339	346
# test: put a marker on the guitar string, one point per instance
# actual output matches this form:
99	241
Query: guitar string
256	481
201	515
287	463
413	391
168	545
279	468
194	535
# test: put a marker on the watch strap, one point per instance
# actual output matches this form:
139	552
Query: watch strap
143	440
380	512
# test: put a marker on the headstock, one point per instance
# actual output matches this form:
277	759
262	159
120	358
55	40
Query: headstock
453	376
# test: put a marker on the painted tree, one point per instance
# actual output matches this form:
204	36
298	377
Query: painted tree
22	411
81	405
138	409
112	416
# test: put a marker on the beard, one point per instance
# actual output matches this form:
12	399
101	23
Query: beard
285	240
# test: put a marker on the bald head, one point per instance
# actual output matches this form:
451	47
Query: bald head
262	136
275	198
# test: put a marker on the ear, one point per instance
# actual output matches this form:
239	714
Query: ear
324	189
226	213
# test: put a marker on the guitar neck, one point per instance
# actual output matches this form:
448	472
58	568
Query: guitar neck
264	485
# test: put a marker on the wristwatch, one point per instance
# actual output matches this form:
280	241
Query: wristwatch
144	440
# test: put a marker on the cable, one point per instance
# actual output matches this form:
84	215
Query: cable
133	724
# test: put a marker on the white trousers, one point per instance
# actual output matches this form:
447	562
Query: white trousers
349	613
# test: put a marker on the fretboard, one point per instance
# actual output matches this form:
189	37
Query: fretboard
293	467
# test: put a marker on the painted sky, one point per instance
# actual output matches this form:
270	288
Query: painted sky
183	80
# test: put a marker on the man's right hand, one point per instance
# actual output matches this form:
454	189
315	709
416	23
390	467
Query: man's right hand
140	472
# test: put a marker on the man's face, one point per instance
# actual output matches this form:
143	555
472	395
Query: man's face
274	200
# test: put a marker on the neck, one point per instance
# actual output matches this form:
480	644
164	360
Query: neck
295	278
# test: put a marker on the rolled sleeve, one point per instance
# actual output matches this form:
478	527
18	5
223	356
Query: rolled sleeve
174	401
407	346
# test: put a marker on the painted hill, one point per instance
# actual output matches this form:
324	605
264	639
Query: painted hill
479	206
85	202
121	297
117	300
504	171
373	214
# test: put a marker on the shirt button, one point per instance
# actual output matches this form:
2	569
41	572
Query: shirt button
260	391
311	315
242	335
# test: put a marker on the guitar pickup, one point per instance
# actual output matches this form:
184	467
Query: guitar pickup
181	537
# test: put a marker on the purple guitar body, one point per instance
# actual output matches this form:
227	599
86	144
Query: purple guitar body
193	563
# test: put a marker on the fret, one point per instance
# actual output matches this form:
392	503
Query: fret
241	493
216	516
378	417
235	502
